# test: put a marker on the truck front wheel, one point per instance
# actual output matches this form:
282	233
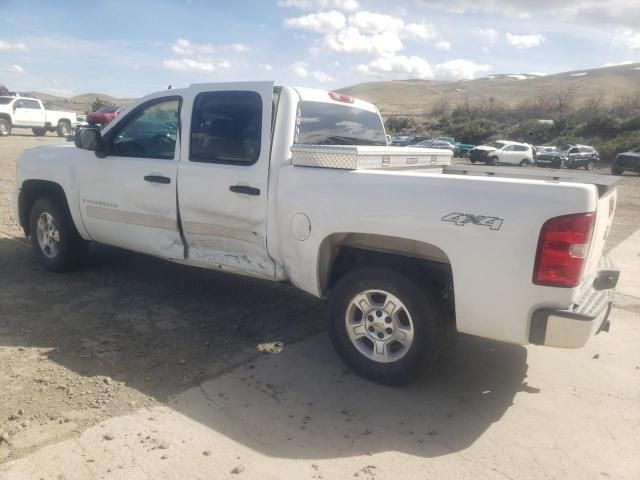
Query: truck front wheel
5	127
54	238
384	325
64	128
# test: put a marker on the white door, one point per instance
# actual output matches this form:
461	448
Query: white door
223	177
21	114
35	113
128	198
507	155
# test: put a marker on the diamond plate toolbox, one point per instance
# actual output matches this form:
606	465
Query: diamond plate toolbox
351	157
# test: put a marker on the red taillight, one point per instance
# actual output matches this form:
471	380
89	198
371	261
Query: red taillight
339	97
562	250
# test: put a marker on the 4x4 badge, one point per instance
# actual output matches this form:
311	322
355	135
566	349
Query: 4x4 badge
461	219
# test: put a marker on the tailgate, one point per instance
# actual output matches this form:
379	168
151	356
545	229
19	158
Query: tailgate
605	211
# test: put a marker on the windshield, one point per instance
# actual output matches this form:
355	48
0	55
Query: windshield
321	123
496	144
108	109
6	100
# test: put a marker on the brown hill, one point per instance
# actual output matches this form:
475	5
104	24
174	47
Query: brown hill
420	97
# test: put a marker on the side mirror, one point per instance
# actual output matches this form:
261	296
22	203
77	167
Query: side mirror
88	139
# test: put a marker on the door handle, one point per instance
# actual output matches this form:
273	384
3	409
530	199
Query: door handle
157	179
245	189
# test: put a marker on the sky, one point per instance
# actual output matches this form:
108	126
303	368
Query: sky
129	49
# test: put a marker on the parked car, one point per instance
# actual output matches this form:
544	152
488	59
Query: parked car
104	116
569	156
403	140
626	162
26	112
439	144
463	148
403	257
503	152
544	149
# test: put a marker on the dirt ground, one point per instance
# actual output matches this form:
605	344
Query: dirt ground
130	334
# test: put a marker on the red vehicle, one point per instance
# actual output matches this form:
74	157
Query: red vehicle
104	115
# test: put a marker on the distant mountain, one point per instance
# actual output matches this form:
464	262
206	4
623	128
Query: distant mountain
419	97
79	103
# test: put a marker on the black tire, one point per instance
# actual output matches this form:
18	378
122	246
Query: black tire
524	162
493	161
71	248
589	166
5	127
39	132
64	128
616	170
427	316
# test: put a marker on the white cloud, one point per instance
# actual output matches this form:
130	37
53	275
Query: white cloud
616	64
17	69
487	34
525	41
5	45
267	67
189	65
351	40
371	22
460	69
346	5
300	69
631	39
184	47
322	77
443	46
398	66
419	31
239	47
323	22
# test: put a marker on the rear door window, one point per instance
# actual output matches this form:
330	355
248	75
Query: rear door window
226	127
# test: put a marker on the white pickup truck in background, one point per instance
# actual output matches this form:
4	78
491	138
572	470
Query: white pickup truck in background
25	112
298	185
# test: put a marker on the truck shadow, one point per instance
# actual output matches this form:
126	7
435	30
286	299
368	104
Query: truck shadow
191	338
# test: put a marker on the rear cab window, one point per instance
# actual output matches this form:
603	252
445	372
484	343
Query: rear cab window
323	123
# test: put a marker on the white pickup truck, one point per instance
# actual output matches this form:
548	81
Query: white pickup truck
298	185
25	112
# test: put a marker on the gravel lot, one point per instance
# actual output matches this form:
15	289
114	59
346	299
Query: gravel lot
130	333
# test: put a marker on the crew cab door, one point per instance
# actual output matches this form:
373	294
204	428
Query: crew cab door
223	177
128	198
36	112
21	114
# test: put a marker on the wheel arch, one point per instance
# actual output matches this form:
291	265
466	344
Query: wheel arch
6	116
32	190
340	253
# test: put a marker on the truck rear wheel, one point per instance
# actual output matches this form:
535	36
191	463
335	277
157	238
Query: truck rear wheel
384	326
5	127
54	238
64	128
39	132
